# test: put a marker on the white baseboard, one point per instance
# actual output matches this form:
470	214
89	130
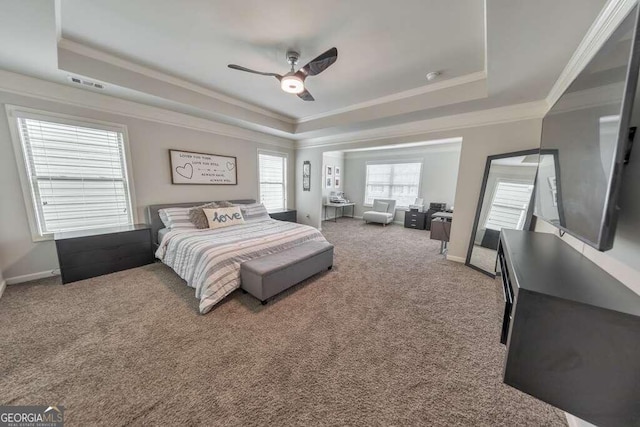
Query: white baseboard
571	420
456	258
577	422
3	286
32	276
394	222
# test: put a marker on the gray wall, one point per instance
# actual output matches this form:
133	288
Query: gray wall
439	172
477	143
149	144
334	158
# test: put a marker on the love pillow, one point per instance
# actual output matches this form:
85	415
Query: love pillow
224	217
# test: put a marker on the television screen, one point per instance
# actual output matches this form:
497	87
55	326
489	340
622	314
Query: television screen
584	136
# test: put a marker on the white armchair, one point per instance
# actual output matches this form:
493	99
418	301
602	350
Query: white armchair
384	210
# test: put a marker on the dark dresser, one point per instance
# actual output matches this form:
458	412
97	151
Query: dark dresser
88	253
414	219
572	330
290	215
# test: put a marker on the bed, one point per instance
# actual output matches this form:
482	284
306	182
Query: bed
209	260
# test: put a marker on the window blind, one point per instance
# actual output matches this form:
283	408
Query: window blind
77	175
398	181
273	183
509	206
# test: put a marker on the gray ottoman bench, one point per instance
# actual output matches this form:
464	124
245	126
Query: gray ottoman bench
271	274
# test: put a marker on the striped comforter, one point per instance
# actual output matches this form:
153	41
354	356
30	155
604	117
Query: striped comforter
209	260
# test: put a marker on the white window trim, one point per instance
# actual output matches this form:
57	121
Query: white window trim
286	173
392	162
14	112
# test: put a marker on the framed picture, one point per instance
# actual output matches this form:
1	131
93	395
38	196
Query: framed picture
188	167
329	171
329	181
306	176
336	171
336	181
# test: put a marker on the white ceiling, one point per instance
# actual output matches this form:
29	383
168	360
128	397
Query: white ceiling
384	47
384	51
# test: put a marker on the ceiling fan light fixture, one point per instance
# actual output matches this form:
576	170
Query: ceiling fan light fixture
292	84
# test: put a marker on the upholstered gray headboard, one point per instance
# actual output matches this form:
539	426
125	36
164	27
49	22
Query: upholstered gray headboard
153	218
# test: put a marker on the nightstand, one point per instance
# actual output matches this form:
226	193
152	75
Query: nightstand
290	215
415	219
89	253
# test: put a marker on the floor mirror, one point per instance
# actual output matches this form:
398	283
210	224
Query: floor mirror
505	202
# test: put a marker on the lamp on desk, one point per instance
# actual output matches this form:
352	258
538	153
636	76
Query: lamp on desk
418	205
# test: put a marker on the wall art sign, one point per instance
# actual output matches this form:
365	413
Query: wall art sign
200	168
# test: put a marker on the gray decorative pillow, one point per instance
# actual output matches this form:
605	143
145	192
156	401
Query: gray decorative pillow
197	216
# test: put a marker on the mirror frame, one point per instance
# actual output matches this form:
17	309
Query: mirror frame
485	178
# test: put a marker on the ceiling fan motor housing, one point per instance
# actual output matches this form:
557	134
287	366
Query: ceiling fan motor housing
293	81
292	57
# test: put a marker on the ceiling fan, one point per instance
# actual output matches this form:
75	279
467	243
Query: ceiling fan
293	81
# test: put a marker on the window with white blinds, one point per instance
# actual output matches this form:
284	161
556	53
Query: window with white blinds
398	181
273	180
509	205
77	175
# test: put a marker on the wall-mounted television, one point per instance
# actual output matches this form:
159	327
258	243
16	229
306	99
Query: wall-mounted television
585	137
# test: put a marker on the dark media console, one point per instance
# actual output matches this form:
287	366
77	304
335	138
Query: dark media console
572	331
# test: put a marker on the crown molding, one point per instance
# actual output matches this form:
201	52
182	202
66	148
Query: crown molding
611	15
99	55
445	84
41	89
505	114
405	150
57	7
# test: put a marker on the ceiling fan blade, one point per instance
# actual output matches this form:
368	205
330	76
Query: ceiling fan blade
306	96
240	68
321	63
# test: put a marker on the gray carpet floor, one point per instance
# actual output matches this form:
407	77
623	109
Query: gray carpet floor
394	335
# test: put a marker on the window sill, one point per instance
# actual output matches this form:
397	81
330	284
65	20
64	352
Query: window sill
37	238
398	208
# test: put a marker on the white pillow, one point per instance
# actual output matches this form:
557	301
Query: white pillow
173	218
254	211
379	206
224	217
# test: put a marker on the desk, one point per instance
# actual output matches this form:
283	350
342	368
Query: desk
337	206
441	229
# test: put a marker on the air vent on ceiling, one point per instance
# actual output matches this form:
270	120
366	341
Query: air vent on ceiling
84	82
